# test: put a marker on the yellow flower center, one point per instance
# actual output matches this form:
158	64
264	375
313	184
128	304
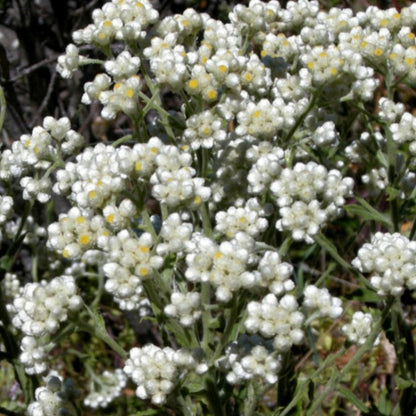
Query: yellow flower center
193	83
84	239
212	94
144	271
248	76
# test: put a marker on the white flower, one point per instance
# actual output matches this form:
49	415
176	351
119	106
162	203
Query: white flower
359	329
51	399
279	319
391	259
34	355
321	300
6	208
250	357
129	262
111	384
275	274
124	66
41	307
174	234
184	306
249	219
204	130
157	371
36	188
70	62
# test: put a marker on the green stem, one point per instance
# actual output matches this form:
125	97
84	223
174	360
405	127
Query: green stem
158	103
2	108
27	383
250	403
301	391
206	317
148	226
206	221
185	411
122	140
366	347
100	290
206	287
214	401
99	330
225	337
299	121
284	247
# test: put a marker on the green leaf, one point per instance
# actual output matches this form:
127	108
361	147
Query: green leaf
96	317
381	157
364	295
331	249
384	404
392	193
194	384
352	398
367	212
147	412
402	383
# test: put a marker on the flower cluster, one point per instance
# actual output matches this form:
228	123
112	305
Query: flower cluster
360	328
76	233
184	306
250	357
54	399
210	212
156	371
130	261
280	319
174	181
322	301
41	307
34	355
308	196
224	266
390	258
110	386
30	157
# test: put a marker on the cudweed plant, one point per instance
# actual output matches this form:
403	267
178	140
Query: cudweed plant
247	247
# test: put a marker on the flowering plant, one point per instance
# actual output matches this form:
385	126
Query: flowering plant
245	247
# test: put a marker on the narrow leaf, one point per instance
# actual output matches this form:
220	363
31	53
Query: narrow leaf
367	212
352	398
331	249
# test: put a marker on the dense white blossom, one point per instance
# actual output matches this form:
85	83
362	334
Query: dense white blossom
277	319
157	371
359	329
250	357
391	260
54	399
41	307
184	306
108	386
322	301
